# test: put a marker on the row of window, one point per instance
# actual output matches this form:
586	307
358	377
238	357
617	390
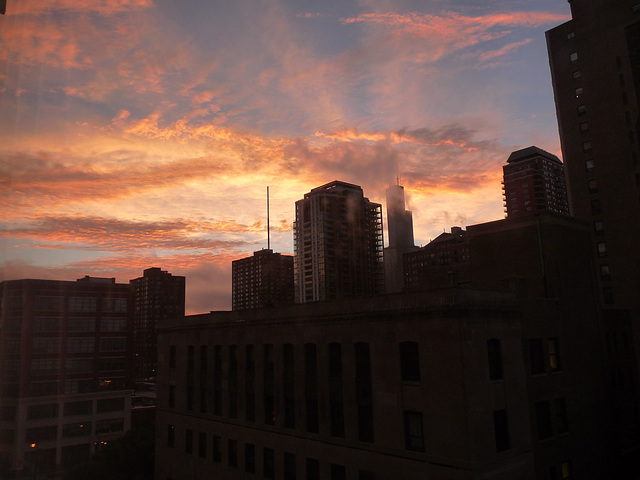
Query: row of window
229	453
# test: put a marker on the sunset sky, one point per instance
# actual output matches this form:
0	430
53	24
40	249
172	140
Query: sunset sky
143	133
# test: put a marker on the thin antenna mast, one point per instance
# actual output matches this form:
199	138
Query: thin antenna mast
268	228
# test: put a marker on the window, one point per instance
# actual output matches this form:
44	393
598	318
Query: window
233	381
232	453
336	406
596	209
579	92
188	441
573	57
364	396
413	431
571	35
554	354
410	361
77	408
495	359
217	380
288	384
113	324
338	472
268	463
311	387
636	8
576	75
172	396
202	444
42	411
593	186
289	466
501	428
536	354
602	249
584	128
313	469
586	146
191	358
83	304
171	436
605	274
582	109
249	458
250	383
562	423
598	227
269	386
217	449
172	356
543	420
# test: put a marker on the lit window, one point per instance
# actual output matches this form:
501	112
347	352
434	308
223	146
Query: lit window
573	56
553	354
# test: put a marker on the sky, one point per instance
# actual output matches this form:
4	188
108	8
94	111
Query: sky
144	133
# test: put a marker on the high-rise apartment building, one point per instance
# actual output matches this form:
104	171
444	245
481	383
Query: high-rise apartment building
157	295
534	183
400	228
65	370
262	280
338	243
595	68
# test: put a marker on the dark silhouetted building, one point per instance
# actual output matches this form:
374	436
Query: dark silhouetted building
263	280
65	370
434	264
400	228
534	183
595	68
156	295
338	244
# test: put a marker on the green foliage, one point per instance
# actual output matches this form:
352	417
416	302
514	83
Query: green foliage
128	458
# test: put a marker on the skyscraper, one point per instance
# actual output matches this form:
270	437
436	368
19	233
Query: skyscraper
595	68
400	227
263	280
534	183
157	295
338	244
65	370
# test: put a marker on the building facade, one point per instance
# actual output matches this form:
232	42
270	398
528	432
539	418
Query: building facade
263	280
338	244
156	295
449	383
400	228
65	370
534	183
595	69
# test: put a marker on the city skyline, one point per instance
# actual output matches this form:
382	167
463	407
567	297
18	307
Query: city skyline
140	133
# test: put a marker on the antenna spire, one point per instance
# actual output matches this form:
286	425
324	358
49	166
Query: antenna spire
268	228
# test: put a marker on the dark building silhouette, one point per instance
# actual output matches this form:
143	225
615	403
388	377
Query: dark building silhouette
156	295
442	254
262	280
338	244
65	370
400	228
595	68
499	379
533	183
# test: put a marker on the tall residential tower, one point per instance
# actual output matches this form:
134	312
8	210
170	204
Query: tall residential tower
338	244
400	227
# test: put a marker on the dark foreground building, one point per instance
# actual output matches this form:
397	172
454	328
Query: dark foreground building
458	382
65	370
